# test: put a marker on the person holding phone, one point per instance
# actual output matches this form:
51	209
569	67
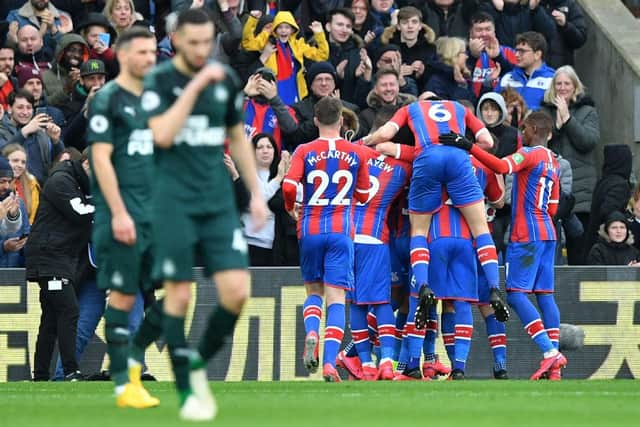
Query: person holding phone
100	36
11	206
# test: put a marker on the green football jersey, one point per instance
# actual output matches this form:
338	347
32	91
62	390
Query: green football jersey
191	173
115	118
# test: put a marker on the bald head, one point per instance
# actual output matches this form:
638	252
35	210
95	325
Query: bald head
29	39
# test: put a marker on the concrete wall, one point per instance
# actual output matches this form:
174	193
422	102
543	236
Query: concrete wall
609	65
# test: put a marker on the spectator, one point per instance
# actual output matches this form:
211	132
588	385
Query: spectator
365	25
449	17
32	52
452	52
26	185
349	57
264	111
531	77
42	15
615	245
30	79
390	57
321	79
385	96
36	133
121	14
91	29
633	208
488	59
611	193
415	40
11	243
7	82
384	11
229	29
58	239
513	17
166	50
247	62
570	32
93	75
516	107
289	52
71	52
576	135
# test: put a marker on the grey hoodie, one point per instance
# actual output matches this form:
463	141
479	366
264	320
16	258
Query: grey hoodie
498	99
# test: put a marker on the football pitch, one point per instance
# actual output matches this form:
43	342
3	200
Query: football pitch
301	404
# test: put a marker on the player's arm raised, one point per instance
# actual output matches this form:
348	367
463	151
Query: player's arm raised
122	225
165	126
387	131
362	183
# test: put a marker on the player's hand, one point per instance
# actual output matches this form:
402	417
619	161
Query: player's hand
124	229
453	139
211	73
501	310
387	148
296	211
259	211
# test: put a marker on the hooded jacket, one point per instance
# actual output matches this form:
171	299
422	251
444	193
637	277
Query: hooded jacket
424	50
607	252
57	84
299	47
577	141
509	139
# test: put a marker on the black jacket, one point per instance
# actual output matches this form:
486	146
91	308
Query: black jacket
62	228
352	89
455	23
517	18
566	39
606	252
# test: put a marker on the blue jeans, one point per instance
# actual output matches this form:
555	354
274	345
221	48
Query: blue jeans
91	301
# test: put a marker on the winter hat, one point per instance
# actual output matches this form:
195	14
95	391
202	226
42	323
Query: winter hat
27	73
320	68
95	18
615	216
384	49
5	168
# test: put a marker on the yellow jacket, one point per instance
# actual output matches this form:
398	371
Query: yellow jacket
299	47
34	187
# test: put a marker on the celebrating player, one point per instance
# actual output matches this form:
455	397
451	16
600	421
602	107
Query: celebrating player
191	108
333	172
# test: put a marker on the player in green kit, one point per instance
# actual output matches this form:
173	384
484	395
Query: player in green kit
122	164
192	107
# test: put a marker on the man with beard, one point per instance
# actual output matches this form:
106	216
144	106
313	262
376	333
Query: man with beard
39	13
93	75
7	82
192	107
71	52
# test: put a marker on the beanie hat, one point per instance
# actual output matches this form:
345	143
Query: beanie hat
5	168
320	68
615	216
384	49
27	73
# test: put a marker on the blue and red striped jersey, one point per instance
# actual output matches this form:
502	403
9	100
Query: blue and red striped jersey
430	119
484	66
388	177
332	172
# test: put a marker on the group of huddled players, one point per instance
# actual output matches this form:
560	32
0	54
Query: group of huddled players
353	212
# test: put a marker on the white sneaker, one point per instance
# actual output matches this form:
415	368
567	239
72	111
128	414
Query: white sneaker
200	386
194	410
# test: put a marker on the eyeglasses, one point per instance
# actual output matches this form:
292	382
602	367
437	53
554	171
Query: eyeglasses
523	51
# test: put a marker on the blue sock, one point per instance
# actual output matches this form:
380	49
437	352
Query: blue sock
550	317
333	333
429	346
488	258
401	319
419	257
463	333
360	333
386	330
497	341
311	313
414	336
530	319
448	328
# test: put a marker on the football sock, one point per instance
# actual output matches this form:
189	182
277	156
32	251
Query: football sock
221	324
360	332
415	337
463	333
350	349
530	319
448	328
496	332
179	354
488	258
333	333
116	332
431	333
401	320
150	330
386	330
312	313
419	257
550	317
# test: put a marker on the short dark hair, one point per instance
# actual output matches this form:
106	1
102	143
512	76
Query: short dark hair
20	93
481	17
328	110
135	32
534	40
193	16
542	123
383	72
408	12
347	13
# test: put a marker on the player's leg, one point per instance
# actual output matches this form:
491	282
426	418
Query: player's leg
360	334
399	295
463	334
496	333
432	367
448	327
409	361
420	257
386	336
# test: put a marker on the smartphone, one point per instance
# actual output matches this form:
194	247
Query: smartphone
41	110
105	38
23	235
273	40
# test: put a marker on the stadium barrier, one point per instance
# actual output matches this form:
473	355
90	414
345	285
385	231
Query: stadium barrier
268	340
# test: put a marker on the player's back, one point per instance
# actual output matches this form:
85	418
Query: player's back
534	186
388	178
333	170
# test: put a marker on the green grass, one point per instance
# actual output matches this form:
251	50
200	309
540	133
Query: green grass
301	404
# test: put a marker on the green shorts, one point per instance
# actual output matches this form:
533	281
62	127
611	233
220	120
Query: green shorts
123	268
179	238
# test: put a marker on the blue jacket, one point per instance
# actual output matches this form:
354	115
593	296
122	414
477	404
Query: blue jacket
533	88
15	259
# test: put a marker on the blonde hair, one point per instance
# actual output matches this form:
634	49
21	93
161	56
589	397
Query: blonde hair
448	49
110	5
25	177
550	94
